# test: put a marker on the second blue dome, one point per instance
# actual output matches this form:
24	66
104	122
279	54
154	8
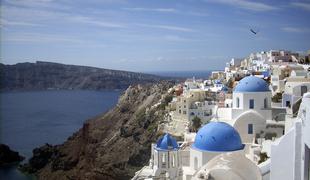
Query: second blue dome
167	142
252	84
219	137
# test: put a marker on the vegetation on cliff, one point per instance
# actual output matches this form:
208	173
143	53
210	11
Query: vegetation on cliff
111	146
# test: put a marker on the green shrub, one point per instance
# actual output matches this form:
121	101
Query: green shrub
262	157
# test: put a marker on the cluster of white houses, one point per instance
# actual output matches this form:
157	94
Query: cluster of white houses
255	123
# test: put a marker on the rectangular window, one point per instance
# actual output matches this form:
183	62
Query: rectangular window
303	90
250	128
265	103
163	164
238	103
251	105
288	104
173	161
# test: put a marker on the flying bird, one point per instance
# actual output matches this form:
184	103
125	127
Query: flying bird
254	32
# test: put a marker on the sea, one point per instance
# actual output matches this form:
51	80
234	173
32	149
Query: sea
183	74
29	119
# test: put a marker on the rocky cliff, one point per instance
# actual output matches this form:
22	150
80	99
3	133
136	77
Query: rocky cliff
8	156
111	146
46	75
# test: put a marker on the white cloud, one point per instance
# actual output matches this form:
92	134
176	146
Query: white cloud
31	15
296	29
39	17
175	38
101	23
160	59
167	27
305	6
166	10
197	14
4	22
39	38
38	4
56	39
244	4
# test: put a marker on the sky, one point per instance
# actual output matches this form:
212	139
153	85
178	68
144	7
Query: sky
149	35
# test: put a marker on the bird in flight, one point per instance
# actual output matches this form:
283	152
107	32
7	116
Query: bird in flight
254	32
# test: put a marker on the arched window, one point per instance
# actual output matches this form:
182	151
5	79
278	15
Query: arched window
238	102
251	104
250	128
265	103
173	161
163	164
164	158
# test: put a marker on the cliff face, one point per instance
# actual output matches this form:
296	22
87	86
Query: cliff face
46	75
111	146
8	156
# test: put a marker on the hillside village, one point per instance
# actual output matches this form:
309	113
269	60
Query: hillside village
249	121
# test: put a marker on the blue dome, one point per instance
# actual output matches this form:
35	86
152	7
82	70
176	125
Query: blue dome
167	143
252	84
219	137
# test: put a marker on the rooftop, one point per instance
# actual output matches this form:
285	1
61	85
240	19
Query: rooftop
219	137
252	84
167	142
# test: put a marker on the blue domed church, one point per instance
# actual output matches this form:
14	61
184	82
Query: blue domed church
217	151
251	108
165	159
211	140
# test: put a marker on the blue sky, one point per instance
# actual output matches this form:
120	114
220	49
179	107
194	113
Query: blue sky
149	35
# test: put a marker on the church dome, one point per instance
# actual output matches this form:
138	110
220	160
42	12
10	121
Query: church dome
252	84
167	143
219	137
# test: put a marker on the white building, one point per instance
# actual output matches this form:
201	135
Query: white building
250	110
215	144
294	90
193	103
211	140
234	166
191	84
217	86
281	56
290	154
165	162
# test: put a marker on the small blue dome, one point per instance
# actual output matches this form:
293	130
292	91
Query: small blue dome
167	143
219	137
217	81
252	84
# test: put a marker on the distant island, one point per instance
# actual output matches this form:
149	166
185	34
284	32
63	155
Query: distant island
48	75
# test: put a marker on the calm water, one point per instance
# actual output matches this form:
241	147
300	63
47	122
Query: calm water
184	74
30	119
